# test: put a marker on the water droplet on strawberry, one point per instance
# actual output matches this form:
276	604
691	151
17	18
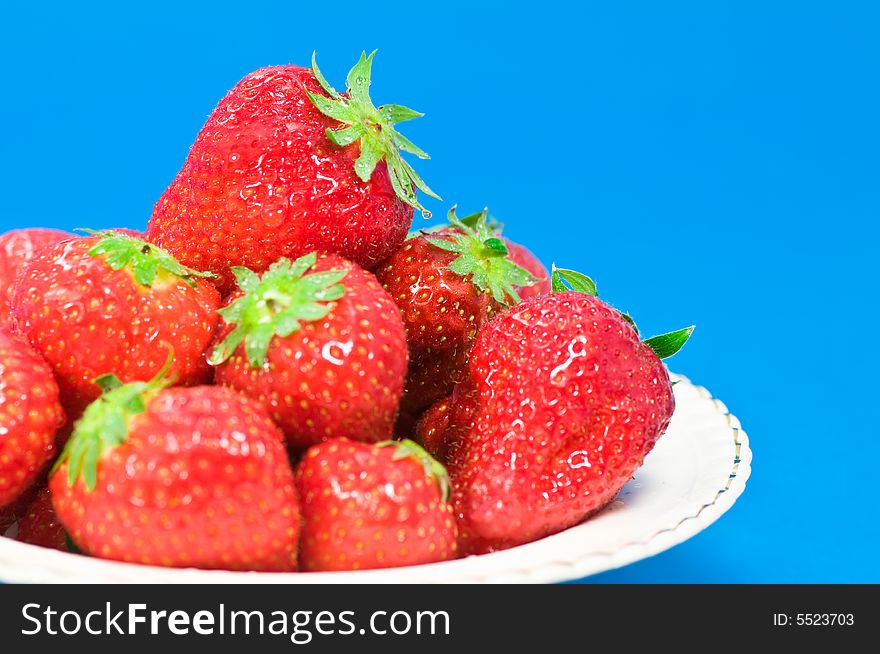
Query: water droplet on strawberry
273	216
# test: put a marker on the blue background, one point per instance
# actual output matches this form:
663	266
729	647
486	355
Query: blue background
710	163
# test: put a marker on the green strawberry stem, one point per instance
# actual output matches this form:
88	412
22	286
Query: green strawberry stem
407	449
276	305
664	345
104	425
562	279
373	128
145	259
484	256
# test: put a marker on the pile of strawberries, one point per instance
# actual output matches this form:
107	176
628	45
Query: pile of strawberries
276	376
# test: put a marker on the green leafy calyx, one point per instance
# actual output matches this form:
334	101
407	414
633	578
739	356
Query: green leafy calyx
484	256
104	424
562	280
407	449
276	305
144	259
664	346
373	128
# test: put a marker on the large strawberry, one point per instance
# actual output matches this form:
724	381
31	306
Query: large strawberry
30	414
319	344
178	477
567	403
16	249
285	166
373	506
447	284
114	303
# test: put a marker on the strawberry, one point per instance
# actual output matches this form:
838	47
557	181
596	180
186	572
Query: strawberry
16	249
447	284
319	344
40	525
285	166
567	402
30	414
373	506
114	303
178	477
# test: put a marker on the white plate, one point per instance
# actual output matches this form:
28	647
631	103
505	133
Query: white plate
695	473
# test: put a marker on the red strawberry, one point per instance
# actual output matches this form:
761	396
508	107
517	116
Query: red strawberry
319	344
16	249
567	403
373	506
40	525
114	303
30	414
285	166
447	284
178	477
